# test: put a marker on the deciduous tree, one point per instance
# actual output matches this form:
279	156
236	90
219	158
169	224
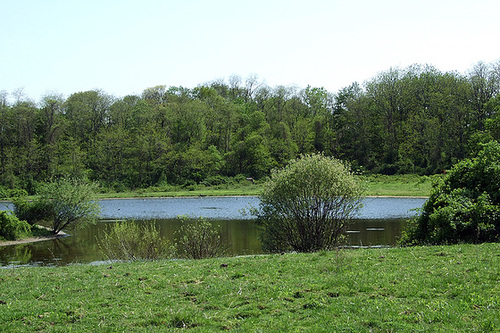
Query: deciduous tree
72	202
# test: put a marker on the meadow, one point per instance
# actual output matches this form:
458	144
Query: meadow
409	185
417	289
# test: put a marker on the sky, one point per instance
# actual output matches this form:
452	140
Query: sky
125	46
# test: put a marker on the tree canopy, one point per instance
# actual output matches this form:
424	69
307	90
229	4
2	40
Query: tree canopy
411	120
71	202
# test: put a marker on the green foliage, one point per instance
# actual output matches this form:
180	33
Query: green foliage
3	192
215	180
198	239
33	212
464	206
411	120
308	204
12	193
72	202
130	240
11	228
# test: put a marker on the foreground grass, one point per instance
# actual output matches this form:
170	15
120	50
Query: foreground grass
439	289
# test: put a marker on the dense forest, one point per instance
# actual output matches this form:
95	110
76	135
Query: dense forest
412	120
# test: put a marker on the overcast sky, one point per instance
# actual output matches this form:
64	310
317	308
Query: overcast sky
126	46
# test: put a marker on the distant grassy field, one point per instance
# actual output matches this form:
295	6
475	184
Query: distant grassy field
422	289
399	185
376	185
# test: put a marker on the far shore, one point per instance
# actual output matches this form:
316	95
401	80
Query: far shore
385	190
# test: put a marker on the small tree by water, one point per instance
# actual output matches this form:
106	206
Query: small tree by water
307	205
71	202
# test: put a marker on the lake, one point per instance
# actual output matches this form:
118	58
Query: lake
379	223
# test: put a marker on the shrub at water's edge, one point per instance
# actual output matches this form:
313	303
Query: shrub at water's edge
464	206
33	212
307	205
129	240
198	239
12	228
72	202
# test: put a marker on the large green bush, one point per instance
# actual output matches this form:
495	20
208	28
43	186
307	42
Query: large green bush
464	206
307	205
11	228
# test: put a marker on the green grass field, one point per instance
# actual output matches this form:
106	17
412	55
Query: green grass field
399	185
421	289
376	185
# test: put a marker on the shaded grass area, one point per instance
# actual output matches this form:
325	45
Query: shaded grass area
442	288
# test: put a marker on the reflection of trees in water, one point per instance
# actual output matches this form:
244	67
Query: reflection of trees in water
20	254
241	236
374	232
60	246
80	246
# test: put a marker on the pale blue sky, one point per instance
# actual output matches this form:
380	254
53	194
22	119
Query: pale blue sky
126	46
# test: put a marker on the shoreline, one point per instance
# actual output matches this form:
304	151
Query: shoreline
36	239
62	234
228	196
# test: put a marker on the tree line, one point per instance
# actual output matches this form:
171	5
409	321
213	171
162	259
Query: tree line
412	120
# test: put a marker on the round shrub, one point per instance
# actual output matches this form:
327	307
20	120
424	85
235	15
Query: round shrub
307	205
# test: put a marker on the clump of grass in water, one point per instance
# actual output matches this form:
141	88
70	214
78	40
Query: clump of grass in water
129	240
198	239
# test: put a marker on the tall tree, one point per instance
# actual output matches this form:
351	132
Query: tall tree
87	113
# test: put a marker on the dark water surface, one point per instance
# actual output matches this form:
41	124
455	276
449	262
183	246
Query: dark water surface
379	223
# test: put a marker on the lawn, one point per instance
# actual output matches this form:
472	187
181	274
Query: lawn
420	289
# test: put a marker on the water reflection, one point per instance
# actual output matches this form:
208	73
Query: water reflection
240	237
240	233
375	232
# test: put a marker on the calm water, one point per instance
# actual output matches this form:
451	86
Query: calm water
379	223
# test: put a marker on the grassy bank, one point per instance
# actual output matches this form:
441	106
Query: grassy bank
444	289
220	190
399	185
376	185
